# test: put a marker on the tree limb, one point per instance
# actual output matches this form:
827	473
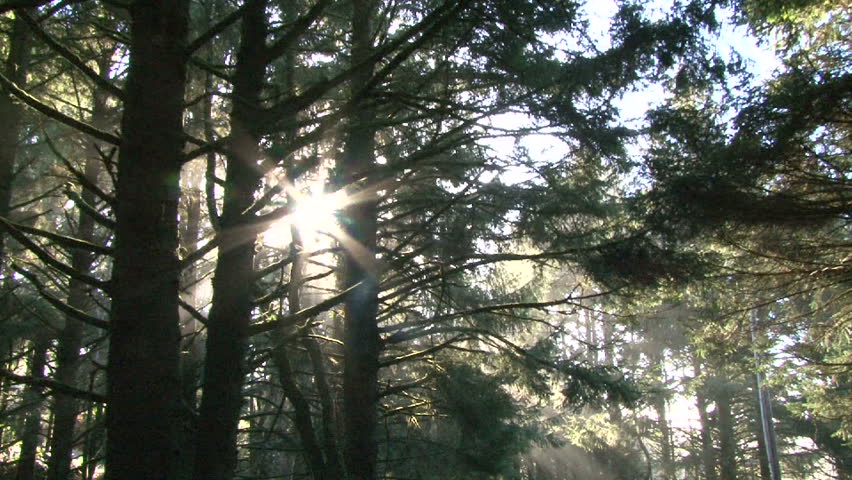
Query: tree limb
54	387
47	258
59	304
72	58
60	117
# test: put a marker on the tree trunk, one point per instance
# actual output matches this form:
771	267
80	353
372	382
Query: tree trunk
708	457
15	69
230	313
333	466
660	406
757	429
143	387
727	438
32	425
70	340
324	465
361	335
610	358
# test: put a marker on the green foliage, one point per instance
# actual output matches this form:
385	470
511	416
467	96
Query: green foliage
490	436
596	386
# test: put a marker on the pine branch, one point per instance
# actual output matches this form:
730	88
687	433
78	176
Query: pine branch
80	177
54	387
62	240
59	304
47	258
73	59
90	210
199	252
268	119
10	5
424	352
303	314
299	27
51	112
192	311
216	29
60	117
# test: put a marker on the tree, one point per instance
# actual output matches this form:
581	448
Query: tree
390	104
143	395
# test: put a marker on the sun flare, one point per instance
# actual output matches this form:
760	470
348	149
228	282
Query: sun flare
314	216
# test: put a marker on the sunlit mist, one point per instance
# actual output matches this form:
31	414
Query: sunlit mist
314	216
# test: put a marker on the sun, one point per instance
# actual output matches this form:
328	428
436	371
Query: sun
314	216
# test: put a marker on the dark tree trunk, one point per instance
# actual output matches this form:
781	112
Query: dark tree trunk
323	465
143	387
32	425
757	429
65	407
14	69
361	335
333	466
230	313
301	416
727	438
708	457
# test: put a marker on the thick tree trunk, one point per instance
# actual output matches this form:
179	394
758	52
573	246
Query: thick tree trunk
15	69
32	425
361	334
230	313
143	387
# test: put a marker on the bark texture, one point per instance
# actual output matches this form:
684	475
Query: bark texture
143	385
361	334
14	69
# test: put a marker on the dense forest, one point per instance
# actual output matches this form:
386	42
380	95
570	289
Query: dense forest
425	239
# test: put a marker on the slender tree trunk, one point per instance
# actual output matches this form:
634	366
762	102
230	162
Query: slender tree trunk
708	457
230	313
301	408
361	334
333	465
65	407
143	387
14	69
610	358
93	441
660	406
323	465
757	429
32	425
727	438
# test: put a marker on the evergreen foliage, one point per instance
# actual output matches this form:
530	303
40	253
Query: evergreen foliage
519	283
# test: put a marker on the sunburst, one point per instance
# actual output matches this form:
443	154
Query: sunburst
314	216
